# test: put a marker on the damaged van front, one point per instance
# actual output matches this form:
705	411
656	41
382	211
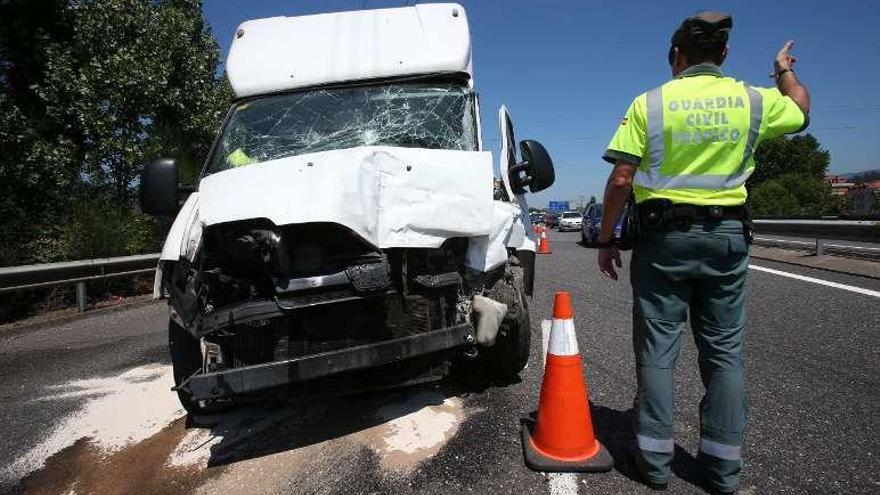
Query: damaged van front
348	230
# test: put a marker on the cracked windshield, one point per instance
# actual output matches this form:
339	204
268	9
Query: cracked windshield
407	115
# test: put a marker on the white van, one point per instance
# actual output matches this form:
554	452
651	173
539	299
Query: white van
349	229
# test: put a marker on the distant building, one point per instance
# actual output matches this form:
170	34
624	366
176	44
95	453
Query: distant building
864	198
839	184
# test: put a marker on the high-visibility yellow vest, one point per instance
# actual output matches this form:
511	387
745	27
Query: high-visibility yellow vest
694	137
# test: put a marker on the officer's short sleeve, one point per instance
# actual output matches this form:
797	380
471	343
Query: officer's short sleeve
781	114
629	143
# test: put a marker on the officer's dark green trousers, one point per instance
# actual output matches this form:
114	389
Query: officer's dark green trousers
698	271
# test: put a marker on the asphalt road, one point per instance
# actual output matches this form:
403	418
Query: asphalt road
86	406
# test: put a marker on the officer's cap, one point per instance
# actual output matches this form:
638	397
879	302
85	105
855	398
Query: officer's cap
703	29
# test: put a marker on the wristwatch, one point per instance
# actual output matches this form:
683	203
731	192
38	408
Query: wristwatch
782	73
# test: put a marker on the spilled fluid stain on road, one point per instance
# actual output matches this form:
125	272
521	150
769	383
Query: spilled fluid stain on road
115	412
413	429
130	435
84	468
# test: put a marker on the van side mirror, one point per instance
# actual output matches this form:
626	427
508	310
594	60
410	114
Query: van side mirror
535	171
158	192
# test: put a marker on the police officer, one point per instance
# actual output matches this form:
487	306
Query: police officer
685	149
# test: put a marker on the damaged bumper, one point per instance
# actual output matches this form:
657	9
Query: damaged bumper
237	381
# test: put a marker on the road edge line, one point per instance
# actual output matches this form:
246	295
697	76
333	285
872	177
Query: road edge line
815	267
827	283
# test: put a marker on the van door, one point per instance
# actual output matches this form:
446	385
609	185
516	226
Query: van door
522	238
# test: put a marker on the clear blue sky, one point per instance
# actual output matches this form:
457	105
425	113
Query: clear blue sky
568	69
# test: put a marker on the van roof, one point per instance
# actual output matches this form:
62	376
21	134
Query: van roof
284	53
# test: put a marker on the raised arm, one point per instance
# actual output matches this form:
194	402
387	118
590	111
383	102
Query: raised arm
787	81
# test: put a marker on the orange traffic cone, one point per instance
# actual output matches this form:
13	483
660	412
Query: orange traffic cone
544	244
562	437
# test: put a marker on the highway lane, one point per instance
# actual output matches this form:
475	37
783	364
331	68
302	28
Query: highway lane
812	372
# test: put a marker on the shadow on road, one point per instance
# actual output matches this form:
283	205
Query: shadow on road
412	420
614	428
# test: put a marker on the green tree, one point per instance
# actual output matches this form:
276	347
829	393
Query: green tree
801	155
792	195
788	178
138	78
772	198
90	90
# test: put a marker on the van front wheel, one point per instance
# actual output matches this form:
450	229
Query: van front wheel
510	354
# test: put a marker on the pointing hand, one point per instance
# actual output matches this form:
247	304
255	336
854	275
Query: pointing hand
784	59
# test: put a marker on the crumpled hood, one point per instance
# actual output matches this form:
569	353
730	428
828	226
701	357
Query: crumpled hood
390	196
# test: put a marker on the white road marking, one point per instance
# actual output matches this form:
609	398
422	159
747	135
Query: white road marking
545	339
828	283
563	484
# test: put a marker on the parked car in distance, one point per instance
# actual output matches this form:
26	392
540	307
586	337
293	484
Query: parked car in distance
551	219
569	221
536	217
592	223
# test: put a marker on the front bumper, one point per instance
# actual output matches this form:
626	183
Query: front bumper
243	380
569	227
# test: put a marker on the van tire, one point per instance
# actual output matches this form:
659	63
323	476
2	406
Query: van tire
510	354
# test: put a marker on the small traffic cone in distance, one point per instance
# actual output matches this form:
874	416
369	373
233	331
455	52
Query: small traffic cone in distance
544	244
562	438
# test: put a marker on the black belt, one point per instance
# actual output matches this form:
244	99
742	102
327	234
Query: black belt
703	212
660	212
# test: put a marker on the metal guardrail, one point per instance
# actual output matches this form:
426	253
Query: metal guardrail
822	233
15	278
822	246
842	230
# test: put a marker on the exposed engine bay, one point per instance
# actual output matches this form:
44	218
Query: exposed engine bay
259	293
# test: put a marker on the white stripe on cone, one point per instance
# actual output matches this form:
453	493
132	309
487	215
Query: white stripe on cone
563	341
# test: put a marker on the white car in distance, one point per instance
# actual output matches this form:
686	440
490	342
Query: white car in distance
569	221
